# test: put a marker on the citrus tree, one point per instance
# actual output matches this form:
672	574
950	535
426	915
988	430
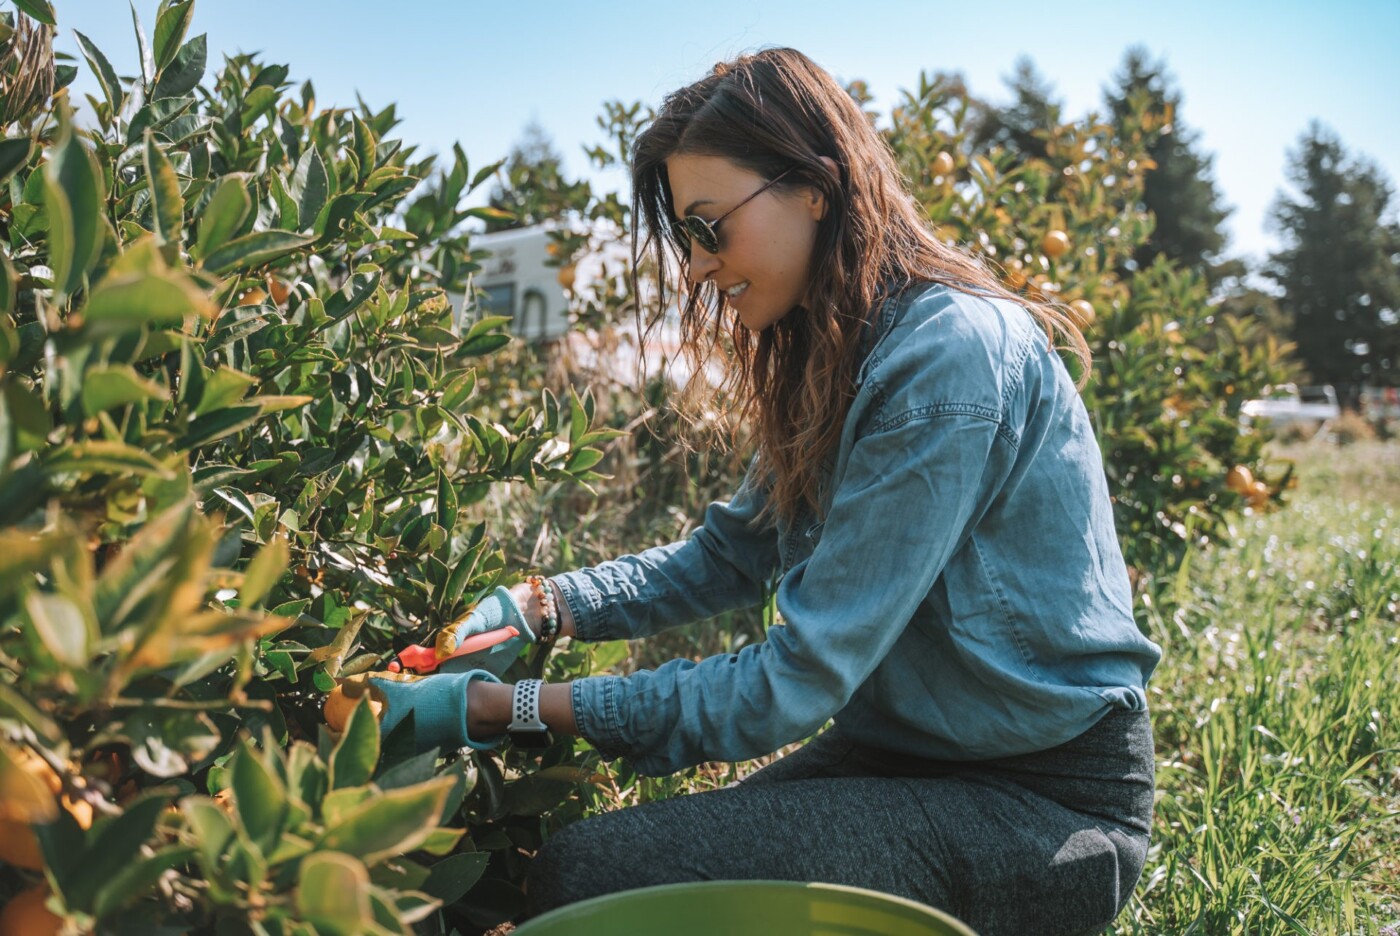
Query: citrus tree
240	443
1170	368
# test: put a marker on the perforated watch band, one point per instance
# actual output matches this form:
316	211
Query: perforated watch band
526	727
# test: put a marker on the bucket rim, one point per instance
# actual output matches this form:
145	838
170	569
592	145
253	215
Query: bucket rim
560	913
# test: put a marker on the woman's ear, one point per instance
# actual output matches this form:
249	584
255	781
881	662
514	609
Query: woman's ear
818	199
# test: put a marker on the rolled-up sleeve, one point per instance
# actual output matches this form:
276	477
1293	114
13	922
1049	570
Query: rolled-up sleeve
907	499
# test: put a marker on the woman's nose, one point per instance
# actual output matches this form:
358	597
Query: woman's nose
703	264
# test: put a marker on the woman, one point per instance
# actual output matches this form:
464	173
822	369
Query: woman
931	502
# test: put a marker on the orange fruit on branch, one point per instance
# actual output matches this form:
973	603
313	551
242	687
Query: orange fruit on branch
26	915
339	706
1240	479
1082	311
1054	244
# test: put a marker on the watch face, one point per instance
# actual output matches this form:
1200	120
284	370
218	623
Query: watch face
530	739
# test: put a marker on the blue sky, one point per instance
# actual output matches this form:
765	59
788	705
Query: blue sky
1252	73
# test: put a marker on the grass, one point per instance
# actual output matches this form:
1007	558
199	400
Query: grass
1276	715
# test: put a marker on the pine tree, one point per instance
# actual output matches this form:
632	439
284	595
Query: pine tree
1340	266
1013	127
1180	192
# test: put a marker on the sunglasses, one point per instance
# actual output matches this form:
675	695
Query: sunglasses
706	233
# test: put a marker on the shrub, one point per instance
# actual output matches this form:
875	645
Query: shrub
239	439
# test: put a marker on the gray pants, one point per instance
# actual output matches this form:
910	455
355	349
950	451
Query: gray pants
1043	843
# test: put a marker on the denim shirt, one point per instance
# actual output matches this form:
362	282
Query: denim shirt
964	598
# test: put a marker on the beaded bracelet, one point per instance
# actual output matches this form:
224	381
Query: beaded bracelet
549	625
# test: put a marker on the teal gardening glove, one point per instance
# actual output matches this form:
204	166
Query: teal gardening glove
493	612
438	703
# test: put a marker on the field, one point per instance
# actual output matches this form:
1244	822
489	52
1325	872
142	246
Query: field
1276	714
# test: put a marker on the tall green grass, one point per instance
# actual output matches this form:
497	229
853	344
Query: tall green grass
1277	716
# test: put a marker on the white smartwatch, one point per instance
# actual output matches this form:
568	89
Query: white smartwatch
526	728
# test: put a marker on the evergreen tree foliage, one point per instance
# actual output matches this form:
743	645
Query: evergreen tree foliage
1179	191
1340	265
1014	126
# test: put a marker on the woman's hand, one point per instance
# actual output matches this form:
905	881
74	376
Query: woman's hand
439	705
497	610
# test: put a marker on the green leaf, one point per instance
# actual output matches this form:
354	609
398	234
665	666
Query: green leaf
137	300
216	425
446	502
135	880
312	186
186	71
487	213
223	388
583	459
353	760
165	744
148	64
365	145
452	877
9	286
264	572
333	893
225	211
106	75
261	799
391	823
167	204
115	843
14	153
255	249
74	204
484	344
60	625
258	102
40	10
102	457
171	24
117	385
213	832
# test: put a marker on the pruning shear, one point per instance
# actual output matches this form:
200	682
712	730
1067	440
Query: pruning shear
422	660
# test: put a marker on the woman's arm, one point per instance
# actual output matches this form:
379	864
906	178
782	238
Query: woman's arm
723	566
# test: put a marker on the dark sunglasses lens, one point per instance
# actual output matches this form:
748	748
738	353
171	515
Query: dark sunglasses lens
701	233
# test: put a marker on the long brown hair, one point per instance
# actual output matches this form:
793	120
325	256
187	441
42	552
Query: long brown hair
772	111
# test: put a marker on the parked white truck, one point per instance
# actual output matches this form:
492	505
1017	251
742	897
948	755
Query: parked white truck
1310	407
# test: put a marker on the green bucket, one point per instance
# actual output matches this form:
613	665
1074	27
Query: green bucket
746	908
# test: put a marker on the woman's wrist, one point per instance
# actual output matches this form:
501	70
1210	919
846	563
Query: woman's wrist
488	708
530	607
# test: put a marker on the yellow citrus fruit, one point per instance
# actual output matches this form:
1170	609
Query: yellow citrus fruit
1259	494
942	164
339	706
1083	313
278	290
566	276
1240	479
26	915
18	845
1054	244
252	296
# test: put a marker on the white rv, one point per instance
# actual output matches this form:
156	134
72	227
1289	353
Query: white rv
515	281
